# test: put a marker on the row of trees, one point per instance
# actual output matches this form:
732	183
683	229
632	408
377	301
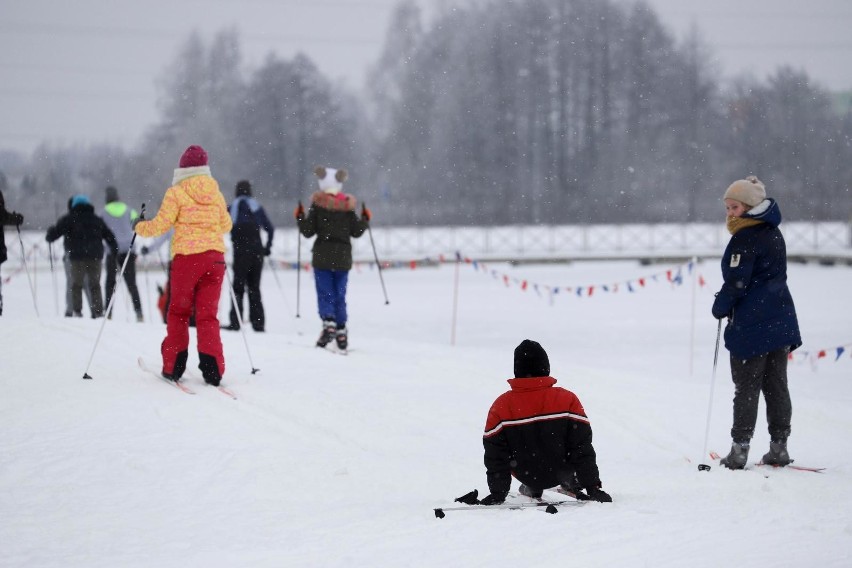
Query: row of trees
533	111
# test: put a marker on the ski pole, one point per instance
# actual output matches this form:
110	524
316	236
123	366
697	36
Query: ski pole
278	282
148	289
111	300
26	269
702	466
242	325
53	278
298	263
375	255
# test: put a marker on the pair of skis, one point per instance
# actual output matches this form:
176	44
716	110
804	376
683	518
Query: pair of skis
717	457
513	501
180	385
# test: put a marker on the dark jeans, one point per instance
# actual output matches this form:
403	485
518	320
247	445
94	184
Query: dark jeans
113	267
247	271
766	373
87	272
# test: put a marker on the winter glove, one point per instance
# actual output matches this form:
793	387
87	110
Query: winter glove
16	218
144	250
267	250
598	494
493	499
299	212
717	310
366	214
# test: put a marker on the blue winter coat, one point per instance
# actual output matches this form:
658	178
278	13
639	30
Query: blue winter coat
755	297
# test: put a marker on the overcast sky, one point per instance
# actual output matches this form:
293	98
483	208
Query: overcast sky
85	70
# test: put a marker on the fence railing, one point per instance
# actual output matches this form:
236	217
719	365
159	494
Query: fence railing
524	242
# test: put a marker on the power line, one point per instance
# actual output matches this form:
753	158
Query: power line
24	28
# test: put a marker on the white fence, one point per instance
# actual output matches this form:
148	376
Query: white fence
556	242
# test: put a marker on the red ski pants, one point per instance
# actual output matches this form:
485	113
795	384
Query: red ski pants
196	281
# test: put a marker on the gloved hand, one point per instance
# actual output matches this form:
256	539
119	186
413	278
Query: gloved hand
144	250
493	499
267	250
366	214
717	310
299	212
598	494
16	218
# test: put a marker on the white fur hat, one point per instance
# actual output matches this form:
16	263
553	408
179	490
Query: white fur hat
330	180
750	191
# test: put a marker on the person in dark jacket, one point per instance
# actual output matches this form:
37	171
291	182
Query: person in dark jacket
6	218
334	221
84	234
539	433
119	217
762	326
249	218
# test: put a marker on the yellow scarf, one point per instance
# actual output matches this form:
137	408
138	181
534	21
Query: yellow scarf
738	223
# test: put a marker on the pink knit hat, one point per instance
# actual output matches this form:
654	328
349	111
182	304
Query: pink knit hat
193	156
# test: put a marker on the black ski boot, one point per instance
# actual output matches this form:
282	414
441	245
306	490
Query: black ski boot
530	492
342	339
209	369
329	329
777	454
737	457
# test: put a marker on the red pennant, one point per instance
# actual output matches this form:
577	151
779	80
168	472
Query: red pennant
524	285
413	264
642	282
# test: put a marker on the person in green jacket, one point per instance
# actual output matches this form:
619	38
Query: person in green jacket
120	218
333	219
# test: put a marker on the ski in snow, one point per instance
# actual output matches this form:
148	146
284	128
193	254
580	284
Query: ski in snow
176	384
224	390
335	350
717	457
513	501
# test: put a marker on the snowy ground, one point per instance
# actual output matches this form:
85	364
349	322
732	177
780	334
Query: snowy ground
340	461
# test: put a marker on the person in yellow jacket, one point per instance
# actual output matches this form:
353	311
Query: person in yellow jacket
195	207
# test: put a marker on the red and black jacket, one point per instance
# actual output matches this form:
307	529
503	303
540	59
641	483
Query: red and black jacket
539	434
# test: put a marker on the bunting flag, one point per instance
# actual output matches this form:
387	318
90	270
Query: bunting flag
674	276
813	357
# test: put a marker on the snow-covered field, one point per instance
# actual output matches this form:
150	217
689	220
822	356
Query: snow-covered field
340	461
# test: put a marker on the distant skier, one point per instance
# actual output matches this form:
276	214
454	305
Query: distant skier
6	218
120	218
84	234
195	207
539	434
762	326
249	251
334	221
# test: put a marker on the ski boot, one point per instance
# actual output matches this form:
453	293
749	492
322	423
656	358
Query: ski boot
209	369
530	492
342	339
329	330
737	457
777	454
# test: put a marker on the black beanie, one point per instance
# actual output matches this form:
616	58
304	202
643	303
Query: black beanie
243	188
531	360
111	194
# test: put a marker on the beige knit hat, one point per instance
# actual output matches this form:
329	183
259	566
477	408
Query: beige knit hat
749	191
